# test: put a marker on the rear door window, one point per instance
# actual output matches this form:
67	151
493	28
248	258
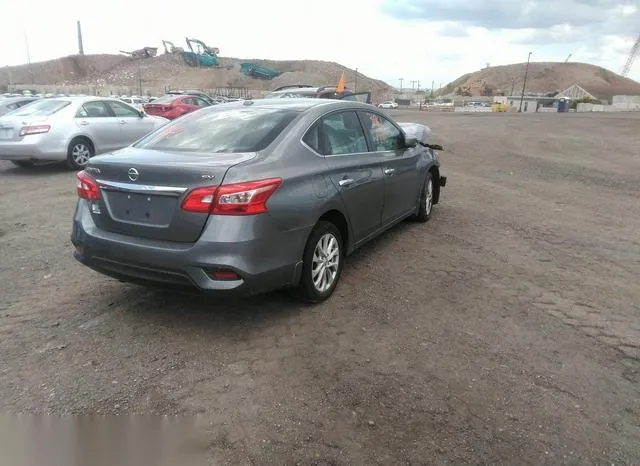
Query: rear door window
341	133
200	102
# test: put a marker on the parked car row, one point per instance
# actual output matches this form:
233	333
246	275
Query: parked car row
37	130
71	129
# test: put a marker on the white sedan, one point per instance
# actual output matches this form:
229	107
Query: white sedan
72	129
388	104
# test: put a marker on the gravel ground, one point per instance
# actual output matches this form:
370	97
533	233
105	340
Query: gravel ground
505	330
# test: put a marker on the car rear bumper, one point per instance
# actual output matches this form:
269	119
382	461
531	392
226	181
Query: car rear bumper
188	265
34	147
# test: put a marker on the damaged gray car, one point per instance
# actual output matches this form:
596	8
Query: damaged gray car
248	197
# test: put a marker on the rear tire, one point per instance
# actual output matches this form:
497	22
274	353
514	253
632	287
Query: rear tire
322	263
79	152
23	163
425	202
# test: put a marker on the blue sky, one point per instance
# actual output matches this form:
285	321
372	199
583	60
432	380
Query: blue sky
425	40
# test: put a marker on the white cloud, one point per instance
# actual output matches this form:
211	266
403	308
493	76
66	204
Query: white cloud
353	33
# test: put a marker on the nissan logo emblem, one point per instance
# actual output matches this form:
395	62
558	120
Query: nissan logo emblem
133	174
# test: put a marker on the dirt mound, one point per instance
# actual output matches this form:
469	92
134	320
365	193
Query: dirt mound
544	77
60	69
171	71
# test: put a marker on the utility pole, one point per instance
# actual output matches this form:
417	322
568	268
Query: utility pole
355	86
418	85
433	83
401	79
513	85
140	77
26	42
413	85
524	84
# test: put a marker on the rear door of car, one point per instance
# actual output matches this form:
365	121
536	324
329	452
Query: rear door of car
353	169
402	177
96	120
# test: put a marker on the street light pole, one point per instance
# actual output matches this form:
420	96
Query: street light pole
524	84
140	77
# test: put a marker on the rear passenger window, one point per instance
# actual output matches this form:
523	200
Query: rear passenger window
341	134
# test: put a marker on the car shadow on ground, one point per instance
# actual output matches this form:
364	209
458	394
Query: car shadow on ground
37	170
185	309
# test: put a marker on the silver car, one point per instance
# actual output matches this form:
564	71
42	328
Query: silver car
72	129
251	196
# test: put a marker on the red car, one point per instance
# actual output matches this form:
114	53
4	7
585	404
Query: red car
173	106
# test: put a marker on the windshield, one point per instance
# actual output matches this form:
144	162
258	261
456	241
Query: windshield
41	108
230	130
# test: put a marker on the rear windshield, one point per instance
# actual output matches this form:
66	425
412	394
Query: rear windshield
165	99
43	107
230	130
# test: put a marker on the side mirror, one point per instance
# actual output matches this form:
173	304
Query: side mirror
410	141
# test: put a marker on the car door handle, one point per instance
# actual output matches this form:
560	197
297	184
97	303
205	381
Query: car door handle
123	122
345	181
84	123
389	171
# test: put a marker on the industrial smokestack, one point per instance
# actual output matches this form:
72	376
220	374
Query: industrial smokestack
80	47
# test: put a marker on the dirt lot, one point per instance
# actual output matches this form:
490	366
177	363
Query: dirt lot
504	331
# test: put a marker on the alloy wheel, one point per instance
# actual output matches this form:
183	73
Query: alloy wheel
325	262
81	154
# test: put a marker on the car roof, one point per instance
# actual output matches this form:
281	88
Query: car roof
299	104
83	99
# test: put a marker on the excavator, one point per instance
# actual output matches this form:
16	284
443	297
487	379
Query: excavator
208	57
172	49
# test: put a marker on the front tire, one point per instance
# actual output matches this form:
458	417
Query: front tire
322	263
425	202
79	152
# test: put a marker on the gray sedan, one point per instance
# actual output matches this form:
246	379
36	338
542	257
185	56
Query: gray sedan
252	196
73	129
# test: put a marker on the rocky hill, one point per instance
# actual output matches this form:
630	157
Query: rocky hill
171	71
543	77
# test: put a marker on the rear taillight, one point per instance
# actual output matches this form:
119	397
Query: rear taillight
34	129
248	198
87	187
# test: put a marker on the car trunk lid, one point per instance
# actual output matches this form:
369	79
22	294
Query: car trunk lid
142	191
11	127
